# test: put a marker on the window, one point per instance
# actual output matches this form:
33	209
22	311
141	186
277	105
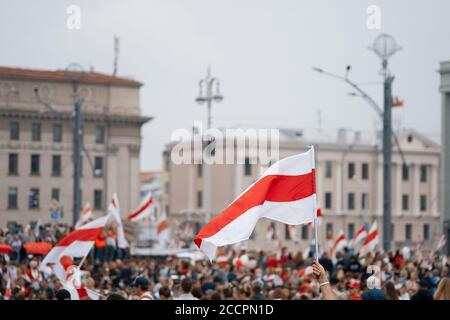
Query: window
329	230
351	170
199	199
287	231
35	159
351	230
199	170
98	199
351	201
12	198
426	231
33	198
304	232
56	194
98	166
327	200
405	172
57	133
167	186
14	131
408	231
405	202
13	164
247	167
56	165
35	131
423	173
423	202
328	169
364	201
365	171
99	135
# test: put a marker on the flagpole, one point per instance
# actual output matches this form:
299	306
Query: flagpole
316	241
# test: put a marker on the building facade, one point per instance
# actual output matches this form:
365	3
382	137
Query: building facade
349	186
36	140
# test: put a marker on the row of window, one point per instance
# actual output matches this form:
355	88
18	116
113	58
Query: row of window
365	171
247	168
56	165
34	198
57	132
364	201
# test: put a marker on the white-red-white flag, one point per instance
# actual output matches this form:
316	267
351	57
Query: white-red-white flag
162	229
146	209
78	243
318	218
371	240
339	244
85	216
114	210
441	243
359	237
286	193
81	293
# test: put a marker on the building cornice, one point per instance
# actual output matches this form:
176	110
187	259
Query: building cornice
103	118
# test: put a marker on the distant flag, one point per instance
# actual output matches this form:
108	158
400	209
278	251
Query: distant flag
37	230
286	192
339	244
359	237
371	240
114	209
162	229
8	292
85	216
318	218
441	243
145	209
78	243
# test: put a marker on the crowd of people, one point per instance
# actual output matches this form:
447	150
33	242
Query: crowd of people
237	274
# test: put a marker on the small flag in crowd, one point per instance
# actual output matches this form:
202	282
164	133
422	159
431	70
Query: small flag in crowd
77	243
286	193
145	209
114	210
339	244
371	240
162	228
85	216
441	243
359	237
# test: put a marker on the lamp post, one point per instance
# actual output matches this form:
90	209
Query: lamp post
384	46
209	91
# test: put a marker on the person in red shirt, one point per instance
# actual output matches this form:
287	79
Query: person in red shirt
354	290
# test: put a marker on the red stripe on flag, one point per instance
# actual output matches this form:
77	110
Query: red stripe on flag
274	188
371	236
161	226
140	210
80	235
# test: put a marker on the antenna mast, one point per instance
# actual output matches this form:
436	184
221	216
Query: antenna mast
116	55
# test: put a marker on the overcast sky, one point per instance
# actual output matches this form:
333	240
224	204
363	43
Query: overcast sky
262	51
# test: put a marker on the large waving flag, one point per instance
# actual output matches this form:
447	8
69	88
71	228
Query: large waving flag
85	216
145	209
286	193
114	210
78	243
371	240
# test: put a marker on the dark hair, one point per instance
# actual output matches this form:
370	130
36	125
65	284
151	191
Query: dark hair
186	285
115	296
63	294
197	292
165	292
216	296
390	292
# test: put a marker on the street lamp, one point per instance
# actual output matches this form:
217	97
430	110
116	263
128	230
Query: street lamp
384	47
209	91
